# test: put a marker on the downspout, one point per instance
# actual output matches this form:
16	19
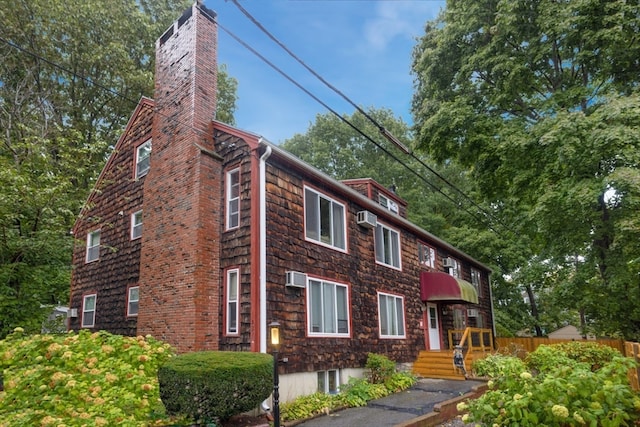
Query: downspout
263	248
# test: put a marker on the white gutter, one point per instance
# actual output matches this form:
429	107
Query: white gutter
263	249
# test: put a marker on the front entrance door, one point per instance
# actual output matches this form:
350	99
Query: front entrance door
434	327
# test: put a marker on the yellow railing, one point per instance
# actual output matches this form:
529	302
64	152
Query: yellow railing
473	339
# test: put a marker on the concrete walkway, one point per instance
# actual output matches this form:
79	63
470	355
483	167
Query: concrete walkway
407	408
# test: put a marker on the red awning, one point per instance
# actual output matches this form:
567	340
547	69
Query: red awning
439	286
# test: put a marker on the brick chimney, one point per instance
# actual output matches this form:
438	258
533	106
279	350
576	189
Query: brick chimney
180	262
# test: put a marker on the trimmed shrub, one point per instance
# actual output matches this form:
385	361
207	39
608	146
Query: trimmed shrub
380	368
215	385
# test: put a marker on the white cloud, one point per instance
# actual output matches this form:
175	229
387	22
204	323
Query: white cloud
399	18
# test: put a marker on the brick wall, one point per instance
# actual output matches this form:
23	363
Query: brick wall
180	272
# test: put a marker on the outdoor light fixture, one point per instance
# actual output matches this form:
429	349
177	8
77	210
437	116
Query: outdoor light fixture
274	333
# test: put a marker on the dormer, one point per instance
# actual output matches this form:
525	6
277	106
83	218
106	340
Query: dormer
386	197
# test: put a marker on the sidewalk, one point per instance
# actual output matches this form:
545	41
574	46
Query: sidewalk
407	408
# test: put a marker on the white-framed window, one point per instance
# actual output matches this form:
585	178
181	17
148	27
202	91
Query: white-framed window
143	158
475	280
133	298
391	315
136	225
453	267
329	381
93	246
232	298
89	311
426	255
388	203
387	244
324	220
233	199
327	308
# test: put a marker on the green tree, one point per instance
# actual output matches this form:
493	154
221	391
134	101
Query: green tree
71	73
538	100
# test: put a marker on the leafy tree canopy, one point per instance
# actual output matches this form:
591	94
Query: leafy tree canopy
71	73
538	100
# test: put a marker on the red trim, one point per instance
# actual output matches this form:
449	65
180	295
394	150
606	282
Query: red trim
255	252
306	309
225	302
346	218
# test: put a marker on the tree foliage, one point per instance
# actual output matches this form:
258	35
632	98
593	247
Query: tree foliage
538	101
71	73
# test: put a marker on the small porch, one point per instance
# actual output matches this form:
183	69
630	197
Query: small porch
475	343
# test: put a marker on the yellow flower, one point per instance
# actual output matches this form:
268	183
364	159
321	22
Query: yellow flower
462	406
71	383
578	418
107	349
465	418
111	378
517	396
560	411
47	421
143	358
98	401
101	422
54	347
147	387
525	376
67	355
58	376
18	330
490	384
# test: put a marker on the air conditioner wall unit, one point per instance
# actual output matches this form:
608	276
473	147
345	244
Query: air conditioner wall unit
296	279
472	312
367	219
448	263
72	312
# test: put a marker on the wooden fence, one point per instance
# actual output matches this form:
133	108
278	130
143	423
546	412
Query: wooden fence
626	348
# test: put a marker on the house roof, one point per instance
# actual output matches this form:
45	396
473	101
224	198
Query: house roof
365	202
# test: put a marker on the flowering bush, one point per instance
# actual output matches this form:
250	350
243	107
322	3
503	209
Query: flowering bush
80	379
561	391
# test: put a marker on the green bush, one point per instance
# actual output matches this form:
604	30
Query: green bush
565	393
215	385
84	378
380	368
497	365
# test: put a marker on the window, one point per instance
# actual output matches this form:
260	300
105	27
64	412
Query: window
232	301
388	203
387	246
89	311
391	315
327	308
475	280
93	246
453	267
328	381
324	220
233	199
143	159
132	301
426	255
136	225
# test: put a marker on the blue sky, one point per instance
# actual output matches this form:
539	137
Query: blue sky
362	47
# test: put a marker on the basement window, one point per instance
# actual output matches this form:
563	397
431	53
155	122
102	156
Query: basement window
329	381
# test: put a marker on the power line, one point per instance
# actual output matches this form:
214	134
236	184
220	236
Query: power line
388	135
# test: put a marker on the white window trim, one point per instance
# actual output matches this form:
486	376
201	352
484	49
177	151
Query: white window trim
326	374
455	270
387	203
90	247
432	255
135	226
229	200
344	221
390	230
310	331
476	280
404	325
85	311
228	302
140	174
129	301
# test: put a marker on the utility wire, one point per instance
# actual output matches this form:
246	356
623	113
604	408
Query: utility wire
302	88
381	128
248	47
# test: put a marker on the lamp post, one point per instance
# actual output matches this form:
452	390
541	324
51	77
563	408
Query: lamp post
274	332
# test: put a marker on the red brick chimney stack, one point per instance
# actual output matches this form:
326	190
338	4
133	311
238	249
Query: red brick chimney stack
179	269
